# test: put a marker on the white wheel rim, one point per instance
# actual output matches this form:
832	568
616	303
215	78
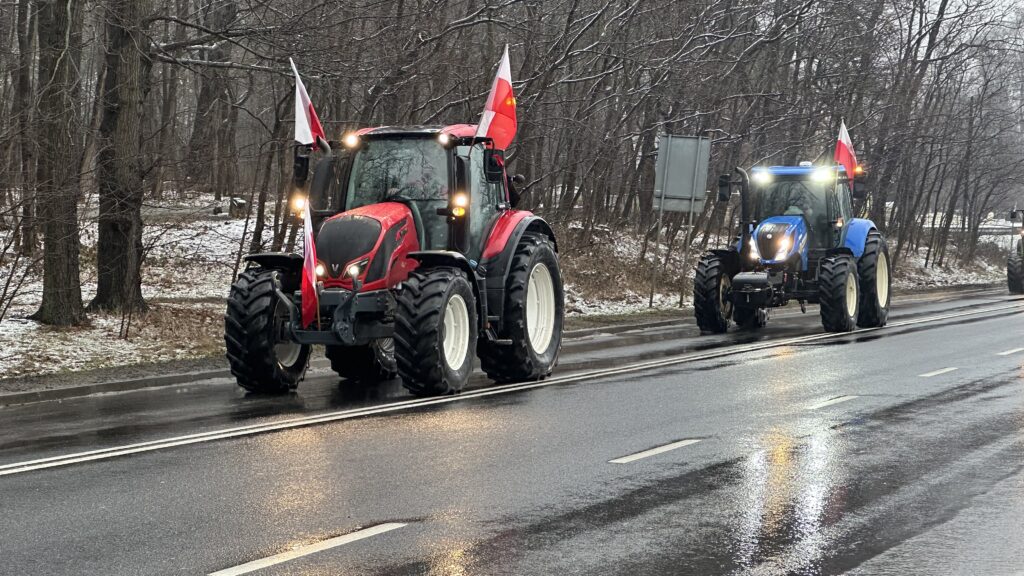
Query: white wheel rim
851	295
456	332
540	308
882	279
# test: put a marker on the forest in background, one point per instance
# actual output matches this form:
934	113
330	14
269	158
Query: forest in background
129	102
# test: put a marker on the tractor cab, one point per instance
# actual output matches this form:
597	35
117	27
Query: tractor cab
452	183
798	210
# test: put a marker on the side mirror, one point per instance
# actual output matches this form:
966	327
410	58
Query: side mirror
494	165
519	180
859	191
724	188
300	169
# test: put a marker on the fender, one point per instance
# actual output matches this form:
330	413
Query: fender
856	234
730	257
288	263
497	255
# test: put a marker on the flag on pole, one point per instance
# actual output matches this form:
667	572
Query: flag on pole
307	124
844	151
307	128
498	122
310	296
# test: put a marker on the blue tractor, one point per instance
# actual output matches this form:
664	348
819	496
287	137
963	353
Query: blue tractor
798	240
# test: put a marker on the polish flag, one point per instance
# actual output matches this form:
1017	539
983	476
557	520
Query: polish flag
844	151
310	295
307	128
498	122
307	124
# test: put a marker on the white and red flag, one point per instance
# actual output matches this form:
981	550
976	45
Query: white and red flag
498	122
310	295
307	124
844	151
307	128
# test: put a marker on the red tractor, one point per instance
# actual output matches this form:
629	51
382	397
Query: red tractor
423	260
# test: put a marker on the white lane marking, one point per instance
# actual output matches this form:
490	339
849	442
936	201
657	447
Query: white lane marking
252	429
307	550
938	372
831	401
654	451
1008	352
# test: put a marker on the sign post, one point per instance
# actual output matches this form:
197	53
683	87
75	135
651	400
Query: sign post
680	173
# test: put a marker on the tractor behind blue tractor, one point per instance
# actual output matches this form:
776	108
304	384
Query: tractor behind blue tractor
798	241
1015	262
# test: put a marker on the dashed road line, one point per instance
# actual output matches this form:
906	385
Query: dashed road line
1009	352
831	401
938	372
301	551
654	451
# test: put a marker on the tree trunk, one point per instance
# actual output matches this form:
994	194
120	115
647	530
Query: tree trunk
60	26
120	169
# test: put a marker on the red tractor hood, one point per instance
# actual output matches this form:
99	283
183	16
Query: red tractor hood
377	238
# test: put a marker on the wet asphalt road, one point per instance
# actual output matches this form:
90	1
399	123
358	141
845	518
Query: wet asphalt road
896	451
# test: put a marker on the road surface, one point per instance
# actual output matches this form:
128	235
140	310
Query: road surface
784	451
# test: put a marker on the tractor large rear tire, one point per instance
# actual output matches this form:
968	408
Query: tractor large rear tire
1015	273
875	282
533	316
372	363
259	356
838	293
712	295
435	331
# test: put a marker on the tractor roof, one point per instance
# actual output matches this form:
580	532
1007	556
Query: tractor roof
794	170
456	130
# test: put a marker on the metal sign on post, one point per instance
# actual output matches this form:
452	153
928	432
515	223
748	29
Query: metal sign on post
680	175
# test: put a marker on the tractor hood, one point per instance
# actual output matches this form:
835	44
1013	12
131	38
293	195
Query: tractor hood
778	238
374	239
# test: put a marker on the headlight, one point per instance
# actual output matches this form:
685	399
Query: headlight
351	140
822	174
356	268
460	202
320	270
754	253
298	204
761	177
444	139
785	243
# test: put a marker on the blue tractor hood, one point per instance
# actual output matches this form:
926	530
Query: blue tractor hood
778	238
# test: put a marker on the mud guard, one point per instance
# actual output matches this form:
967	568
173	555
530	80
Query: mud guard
288	263
856	235
497	256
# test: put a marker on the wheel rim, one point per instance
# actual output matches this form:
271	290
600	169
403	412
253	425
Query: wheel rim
456	331
851	295
286	351
725	296
540	308
882	279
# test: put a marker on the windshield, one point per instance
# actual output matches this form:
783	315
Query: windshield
801	197
410	168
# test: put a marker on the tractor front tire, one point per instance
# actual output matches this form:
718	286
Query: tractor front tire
712	295
1015	273
534	312
374	362
435	331
260	357
838	293
875	282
